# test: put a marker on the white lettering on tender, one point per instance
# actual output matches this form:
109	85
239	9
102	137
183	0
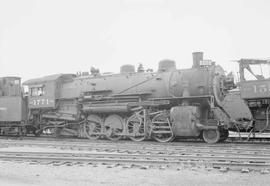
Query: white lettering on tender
261	88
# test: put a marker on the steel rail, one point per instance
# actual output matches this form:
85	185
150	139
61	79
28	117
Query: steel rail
151	150
138	159
129	143
4	154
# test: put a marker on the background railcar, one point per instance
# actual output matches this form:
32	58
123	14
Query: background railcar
13	106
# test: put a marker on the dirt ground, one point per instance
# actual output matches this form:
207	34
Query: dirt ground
14	173
23	173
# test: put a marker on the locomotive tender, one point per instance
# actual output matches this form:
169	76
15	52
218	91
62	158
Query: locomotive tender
13	107
139	105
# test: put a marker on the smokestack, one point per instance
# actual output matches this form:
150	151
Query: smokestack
197	57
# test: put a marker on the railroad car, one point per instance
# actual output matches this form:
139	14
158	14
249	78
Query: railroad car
133	104
255	91
13	106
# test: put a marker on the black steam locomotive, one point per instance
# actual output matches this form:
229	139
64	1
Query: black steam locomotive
161	105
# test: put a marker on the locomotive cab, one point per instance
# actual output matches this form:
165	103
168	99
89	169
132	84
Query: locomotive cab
44	91
38	98
43	100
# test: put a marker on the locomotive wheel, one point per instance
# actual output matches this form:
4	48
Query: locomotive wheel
211	135
136	128
161	128
114	127
92	127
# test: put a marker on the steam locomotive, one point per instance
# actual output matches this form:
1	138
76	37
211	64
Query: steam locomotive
138	105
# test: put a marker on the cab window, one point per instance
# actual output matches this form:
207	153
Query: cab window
257	72
37	91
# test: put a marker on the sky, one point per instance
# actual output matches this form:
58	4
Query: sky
39	38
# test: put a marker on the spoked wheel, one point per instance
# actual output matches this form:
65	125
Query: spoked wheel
211	135
92	127
161	128
136	127
114	127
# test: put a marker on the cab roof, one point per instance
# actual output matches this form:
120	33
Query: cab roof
10	77
49	78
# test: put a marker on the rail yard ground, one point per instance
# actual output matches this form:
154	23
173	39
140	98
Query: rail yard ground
75	162
22	174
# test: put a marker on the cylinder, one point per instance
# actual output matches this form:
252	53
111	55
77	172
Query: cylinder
197	57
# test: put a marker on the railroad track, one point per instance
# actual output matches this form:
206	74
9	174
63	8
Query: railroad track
234	138
183	152
234	163
145	147
232	156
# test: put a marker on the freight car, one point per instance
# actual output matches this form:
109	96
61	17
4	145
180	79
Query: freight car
255	91
138	105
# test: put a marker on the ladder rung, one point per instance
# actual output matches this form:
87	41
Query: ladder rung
161	127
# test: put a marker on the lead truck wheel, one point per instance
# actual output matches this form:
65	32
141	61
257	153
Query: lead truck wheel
211	135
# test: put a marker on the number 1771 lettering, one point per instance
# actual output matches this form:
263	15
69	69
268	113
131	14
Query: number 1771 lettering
41	102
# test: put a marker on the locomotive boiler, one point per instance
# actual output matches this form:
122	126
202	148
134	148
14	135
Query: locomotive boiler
161	105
